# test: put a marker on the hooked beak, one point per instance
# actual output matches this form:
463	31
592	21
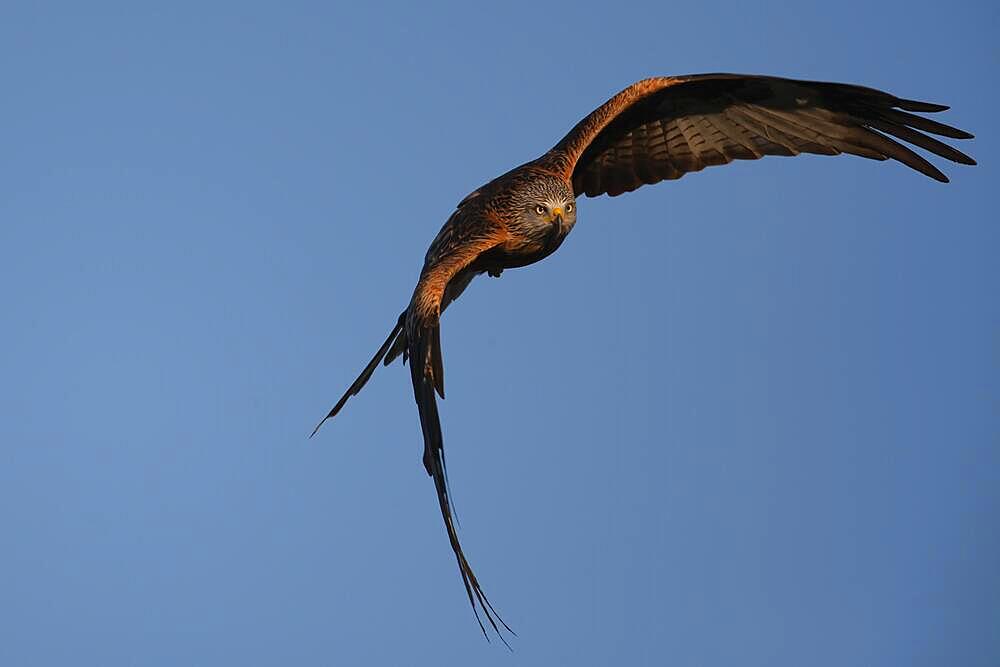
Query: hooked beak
557	219
554	236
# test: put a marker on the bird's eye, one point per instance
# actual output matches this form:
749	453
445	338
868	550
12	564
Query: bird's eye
569	207
540	210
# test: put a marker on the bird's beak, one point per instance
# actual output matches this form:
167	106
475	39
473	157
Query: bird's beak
555	233
557	219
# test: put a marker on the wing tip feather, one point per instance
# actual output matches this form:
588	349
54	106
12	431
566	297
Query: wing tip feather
917	105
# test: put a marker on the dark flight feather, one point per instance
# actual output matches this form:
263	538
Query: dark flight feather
365	374
661	129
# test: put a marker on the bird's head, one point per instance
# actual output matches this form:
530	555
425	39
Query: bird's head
548	208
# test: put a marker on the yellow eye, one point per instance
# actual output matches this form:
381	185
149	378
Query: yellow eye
540	210
569	207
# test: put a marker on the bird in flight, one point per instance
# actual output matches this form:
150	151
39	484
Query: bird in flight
654	130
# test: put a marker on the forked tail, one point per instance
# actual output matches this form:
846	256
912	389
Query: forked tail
367	372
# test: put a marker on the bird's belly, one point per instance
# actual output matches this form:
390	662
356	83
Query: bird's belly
509	256
523	250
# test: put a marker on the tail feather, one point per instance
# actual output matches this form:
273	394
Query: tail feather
367	372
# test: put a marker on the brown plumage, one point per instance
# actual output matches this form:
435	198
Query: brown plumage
656	129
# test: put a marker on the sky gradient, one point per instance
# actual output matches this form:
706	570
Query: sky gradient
750	417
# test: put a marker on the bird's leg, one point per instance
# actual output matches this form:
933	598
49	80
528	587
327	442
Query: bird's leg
495	271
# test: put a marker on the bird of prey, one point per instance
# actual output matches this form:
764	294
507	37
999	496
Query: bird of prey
654	130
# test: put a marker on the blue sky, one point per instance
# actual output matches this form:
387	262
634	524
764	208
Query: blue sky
748	417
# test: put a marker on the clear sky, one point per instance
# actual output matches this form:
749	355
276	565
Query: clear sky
751	417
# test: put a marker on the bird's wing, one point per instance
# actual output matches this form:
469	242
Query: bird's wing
366	374
463	238
663	128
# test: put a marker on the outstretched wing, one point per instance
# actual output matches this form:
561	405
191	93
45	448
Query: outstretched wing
463	238
663	128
